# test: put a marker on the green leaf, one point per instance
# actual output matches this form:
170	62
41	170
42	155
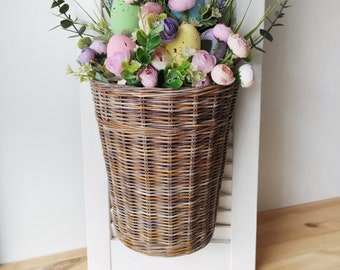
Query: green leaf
142	56
66	23
54	4
64	8
100	77
206	45
82	30
141	37
266	34
154	42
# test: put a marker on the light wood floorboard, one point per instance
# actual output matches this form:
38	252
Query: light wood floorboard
302	237
71	260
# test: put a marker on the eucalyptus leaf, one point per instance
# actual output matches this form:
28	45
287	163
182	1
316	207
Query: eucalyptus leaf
266	34
66	23
82	30
64	8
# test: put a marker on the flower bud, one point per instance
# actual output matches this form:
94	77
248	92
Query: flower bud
181	5
203	61
238	45
98	46
246	75
86	56
222	75
222	32
148	77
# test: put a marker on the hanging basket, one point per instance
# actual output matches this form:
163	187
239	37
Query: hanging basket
164	151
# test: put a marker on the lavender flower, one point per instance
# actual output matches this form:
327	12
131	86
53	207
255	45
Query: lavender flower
170	29
86	55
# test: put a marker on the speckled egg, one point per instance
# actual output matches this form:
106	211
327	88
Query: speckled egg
187	36
119	43
123	17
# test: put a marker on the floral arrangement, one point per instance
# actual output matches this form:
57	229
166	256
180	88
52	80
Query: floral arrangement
166	43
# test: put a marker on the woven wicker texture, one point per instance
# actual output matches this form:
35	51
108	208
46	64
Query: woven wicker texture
165	152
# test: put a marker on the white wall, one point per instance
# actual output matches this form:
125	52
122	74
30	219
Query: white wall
300	127
41	188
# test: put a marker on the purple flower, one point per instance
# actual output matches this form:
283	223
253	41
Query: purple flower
170	29
98	46
217	49
86	56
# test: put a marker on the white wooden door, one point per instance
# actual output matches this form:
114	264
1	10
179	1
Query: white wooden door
233	246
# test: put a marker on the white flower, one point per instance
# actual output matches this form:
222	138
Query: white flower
246	75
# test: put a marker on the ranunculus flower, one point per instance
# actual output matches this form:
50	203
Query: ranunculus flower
246	75
170	29
151	7
203	61
148	77
238	45
114	62
222	32
206	82
222	75
98	46
181	5
161	58
86	56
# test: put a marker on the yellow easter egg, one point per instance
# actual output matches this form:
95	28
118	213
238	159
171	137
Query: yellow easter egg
187	36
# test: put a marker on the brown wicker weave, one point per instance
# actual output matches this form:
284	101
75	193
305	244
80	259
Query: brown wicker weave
165	152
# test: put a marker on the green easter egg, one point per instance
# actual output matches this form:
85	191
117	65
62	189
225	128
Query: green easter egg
123	16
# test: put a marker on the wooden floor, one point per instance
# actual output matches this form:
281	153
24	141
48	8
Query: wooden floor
303	237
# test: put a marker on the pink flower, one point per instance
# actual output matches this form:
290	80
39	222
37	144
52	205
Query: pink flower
222	75
246	75
238	45
114	62
222	32
161	58
204	61
181	5
148	77
151	7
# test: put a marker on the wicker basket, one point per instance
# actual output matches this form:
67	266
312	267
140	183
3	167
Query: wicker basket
165	152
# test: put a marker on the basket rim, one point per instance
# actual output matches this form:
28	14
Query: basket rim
145	91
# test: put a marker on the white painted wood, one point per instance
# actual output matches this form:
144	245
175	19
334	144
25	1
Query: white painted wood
96	188
214	256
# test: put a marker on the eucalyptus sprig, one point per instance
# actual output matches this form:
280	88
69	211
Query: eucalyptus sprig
265	33
67	20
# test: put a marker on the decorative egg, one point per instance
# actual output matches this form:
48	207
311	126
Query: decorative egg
187	36
123	17
119	43
209	41
193	12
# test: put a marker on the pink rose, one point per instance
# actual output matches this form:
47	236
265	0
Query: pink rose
238	45
149	12
246	75
114	62
148	77
161	58
204	61
222	32
181	5
222	75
